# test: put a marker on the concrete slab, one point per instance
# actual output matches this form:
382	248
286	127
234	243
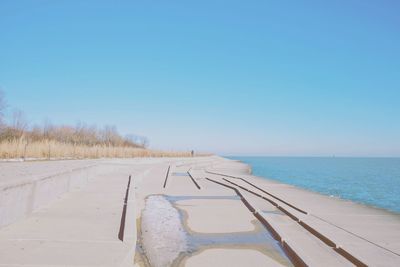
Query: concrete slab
230	257
80	228
223	216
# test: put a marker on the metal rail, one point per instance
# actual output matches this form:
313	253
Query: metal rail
262	190
310	229
123	216
166	176
293	256
194	181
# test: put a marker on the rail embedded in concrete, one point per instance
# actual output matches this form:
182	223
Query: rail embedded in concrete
84	217
193	180
347	255
123	216
262	190
289	251
166	176
305	212
341	251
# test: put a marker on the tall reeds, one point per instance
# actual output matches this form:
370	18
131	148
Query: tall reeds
19	140
45	149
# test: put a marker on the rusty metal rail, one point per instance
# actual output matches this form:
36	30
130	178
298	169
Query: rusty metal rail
166	176
307	227
262	190
193	180
123	216
293	256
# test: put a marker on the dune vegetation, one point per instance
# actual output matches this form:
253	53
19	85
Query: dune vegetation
51	149
20	140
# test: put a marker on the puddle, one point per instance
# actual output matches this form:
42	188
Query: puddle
258	239
180	174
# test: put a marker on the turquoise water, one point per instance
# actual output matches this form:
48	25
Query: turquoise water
372	181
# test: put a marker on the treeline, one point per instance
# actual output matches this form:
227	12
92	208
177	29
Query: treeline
81	134
20	140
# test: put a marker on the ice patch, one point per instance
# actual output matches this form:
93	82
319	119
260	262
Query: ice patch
163	236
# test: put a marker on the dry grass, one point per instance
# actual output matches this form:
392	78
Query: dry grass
53	149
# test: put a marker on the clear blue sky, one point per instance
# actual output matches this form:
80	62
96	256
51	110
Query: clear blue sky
231	77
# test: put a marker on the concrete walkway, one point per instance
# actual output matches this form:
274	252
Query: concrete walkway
79	228
180	212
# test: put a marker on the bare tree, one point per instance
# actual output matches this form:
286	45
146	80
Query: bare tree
19	123
144	142
81	134
110	136
36	133
47	129
136	141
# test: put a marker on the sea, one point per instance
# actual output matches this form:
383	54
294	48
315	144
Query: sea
370	181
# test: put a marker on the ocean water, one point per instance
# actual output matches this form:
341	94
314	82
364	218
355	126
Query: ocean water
371	181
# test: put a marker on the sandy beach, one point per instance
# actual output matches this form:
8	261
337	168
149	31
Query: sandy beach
202	211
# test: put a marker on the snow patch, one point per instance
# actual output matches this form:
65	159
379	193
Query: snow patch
163	235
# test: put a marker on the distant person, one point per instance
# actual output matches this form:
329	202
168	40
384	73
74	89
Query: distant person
192	153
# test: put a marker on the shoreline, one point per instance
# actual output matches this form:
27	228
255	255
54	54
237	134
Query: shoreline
321	193
339	201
